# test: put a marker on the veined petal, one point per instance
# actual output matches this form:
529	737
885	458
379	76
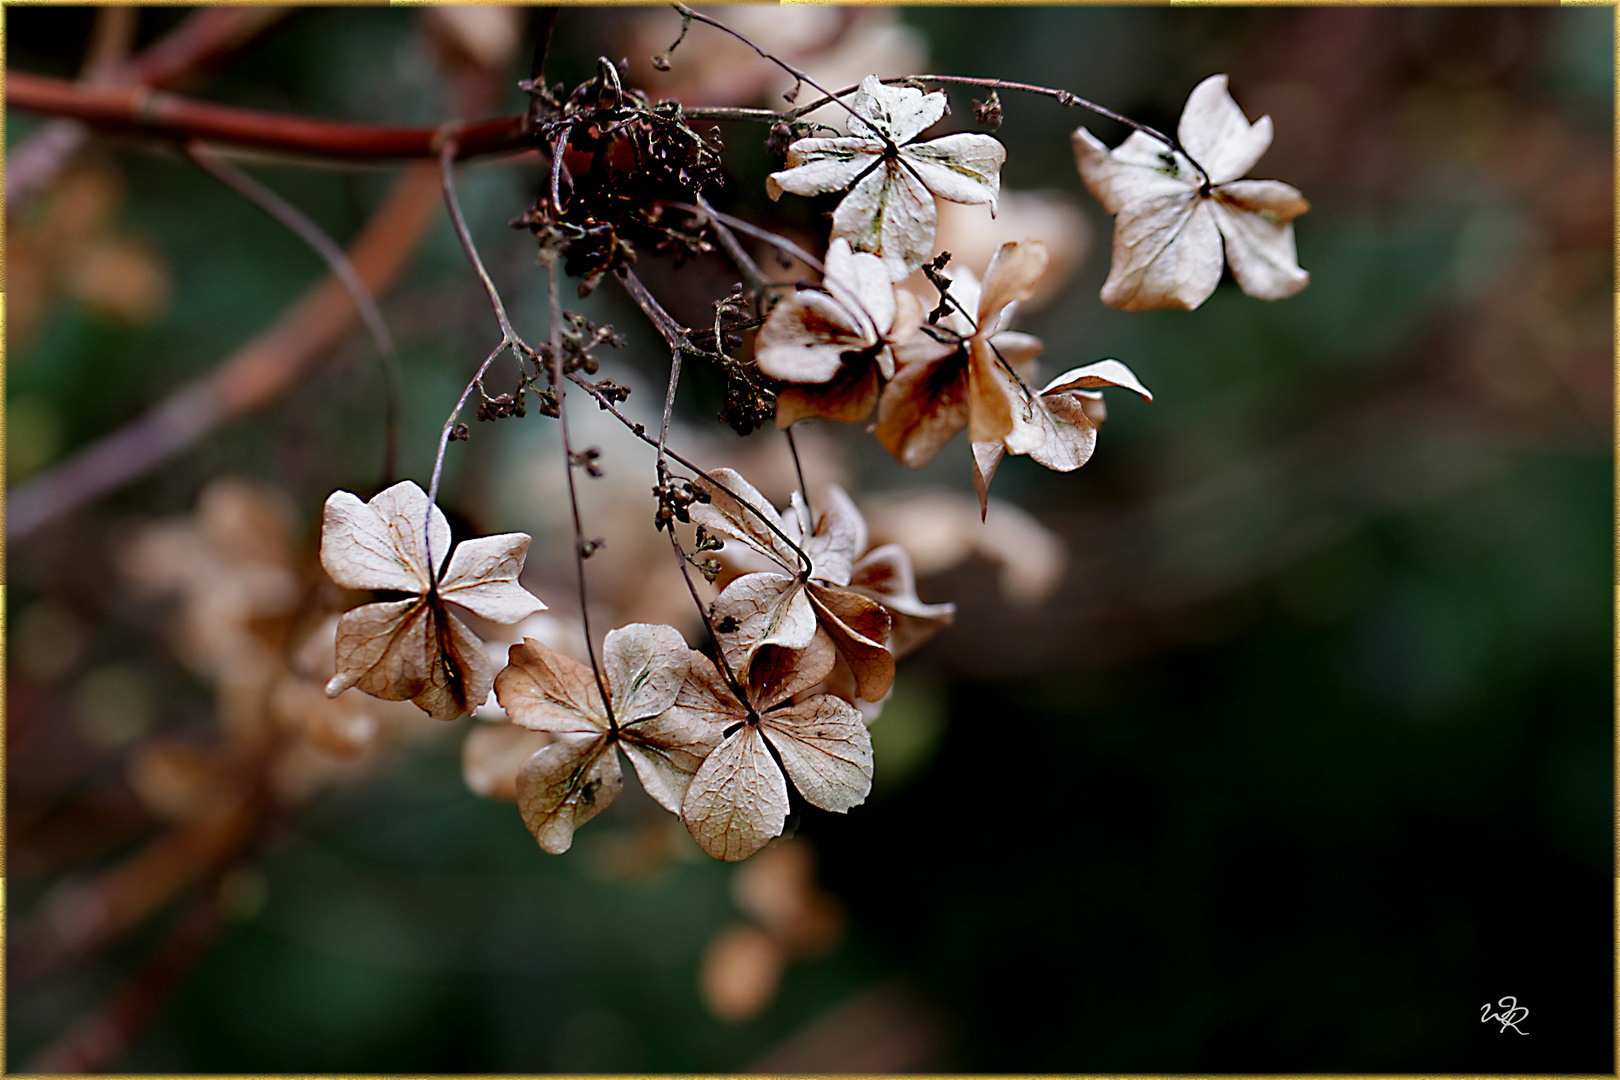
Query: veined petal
737	801
766	609
892	215
900	112
461	673
381	544
1093	376
645	666
1142	167
825	749
482	577
1010	277
859	628
1070	434
543	690
1166	254
1218	135
816	166
566	784
384	650
860	282
806	336
961	168
1261	254
839	536
738	511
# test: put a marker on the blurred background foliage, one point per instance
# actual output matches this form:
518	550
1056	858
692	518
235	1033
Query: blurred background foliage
1308	756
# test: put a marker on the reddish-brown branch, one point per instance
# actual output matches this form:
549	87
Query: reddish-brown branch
260	372
137	110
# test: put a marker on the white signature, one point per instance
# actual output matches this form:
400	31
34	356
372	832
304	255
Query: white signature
1510	1016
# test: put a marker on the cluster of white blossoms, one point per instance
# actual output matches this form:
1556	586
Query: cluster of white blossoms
809	619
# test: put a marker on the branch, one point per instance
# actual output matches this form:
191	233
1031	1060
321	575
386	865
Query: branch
201	39
137	110
254	376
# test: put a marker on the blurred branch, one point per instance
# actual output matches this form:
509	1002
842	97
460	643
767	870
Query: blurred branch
202	39
255	375
100	1039
138	110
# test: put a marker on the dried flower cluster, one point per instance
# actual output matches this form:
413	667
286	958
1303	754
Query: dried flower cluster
806	616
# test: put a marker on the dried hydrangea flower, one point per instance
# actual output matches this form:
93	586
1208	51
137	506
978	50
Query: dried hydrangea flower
1172	222
957	376
890	210
837	339
738	799
577	776
794	607
415	648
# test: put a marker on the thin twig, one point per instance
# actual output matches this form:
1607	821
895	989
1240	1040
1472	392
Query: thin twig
554	296
804	490
338	263
734	251
780	242
640	432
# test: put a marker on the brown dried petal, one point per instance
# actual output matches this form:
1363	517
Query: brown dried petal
566	784
885	575
380	544
738	800
778	674
645	665
768	609
925	405
825	749
482	577
858	627
730	517
543	690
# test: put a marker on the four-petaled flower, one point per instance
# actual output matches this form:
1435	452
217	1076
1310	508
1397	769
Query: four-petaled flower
1172	220
577	776
890	209
415	648
738	799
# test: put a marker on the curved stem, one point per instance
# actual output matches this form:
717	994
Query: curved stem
555	298
338	263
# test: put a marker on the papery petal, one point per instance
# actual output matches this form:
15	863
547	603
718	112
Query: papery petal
1070	434
840	535
1092	376
482	577
1011	277
1217	134
805	337
645	666
384	650
565	785
858	627
861	283
900	112
962	168
1142	167
986	460
461	676
1254	216
885	575
825	750
1167	253
666	750
381	544
816	166
737	801
767	609
738	511
998	407
1019	350
848	396
543	690
892	215
925	404
778	674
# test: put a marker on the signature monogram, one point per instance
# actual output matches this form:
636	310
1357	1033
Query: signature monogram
1509	1017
